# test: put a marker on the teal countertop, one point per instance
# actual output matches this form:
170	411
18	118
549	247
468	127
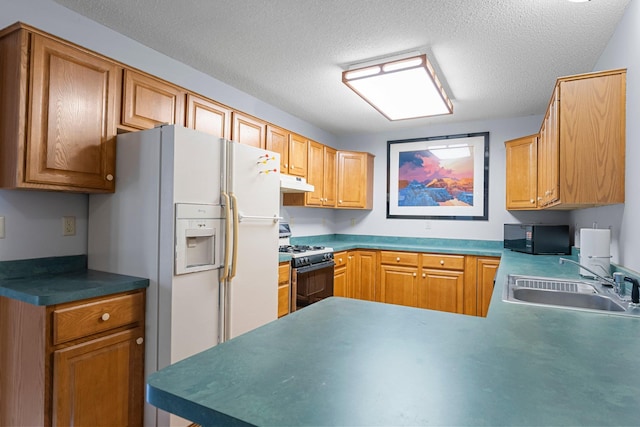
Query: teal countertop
343	242
56	280
351	362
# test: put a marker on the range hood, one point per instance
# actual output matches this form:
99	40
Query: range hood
294	184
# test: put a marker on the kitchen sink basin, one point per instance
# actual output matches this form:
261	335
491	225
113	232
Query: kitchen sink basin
563	293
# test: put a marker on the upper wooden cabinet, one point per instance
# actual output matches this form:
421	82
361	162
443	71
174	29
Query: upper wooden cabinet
298	155
248	130
278	141
321	173
208	116
148	101
355	180
58	121
581	144
329	186
522	172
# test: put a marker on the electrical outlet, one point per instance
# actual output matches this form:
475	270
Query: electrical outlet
68	225
353	222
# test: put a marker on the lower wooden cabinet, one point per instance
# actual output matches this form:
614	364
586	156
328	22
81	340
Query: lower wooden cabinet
355	274
79	363
486	273
285	296
398	284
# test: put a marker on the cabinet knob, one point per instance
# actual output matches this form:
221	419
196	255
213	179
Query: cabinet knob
398	259
533	201
286	165
414	274
139	340
441	262
105	317
109	177
339	259
424	275
292	167
339	201
349	257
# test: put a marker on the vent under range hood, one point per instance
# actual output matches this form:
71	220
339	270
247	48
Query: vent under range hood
294	184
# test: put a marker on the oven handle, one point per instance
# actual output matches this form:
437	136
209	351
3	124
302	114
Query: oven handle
314	267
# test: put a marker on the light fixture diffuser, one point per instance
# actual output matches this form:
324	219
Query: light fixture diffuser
400	89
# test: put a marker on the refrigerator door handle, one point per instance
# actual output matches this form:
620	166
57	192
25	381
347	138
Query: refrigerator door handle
236	222
227	235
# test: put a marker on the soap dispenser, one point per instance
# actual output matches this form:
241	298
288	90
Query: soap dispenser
635	290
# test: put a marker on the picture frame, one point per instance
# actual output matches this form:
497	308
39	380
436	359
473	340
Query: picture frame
440	177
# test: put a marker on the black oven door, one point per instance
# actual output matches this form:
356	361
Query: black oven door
313	282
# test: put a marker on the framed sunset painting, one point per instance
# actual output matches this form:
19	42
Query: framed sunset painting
442	177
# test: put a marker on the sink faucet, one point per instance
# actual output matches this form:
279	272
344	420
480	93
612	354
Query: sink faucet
606	281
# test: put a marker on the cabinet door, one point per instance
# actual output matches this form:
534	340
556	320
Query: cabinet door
329	178
207	116
441	290
398	285
364	283
522	172
355	180
548	152
315	174
487	268
340	281
298	153
284	294
100	382
248	130
147	102
278	141
72	120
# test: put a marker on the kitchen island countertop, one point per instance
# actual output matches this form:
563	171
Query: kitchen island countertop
351	362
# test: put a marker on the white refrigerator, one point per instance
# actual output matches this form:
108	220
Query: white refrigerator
197	216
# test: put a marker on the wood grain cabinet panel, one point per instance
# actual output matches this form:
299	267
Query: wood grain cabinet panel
278	142
58	122
441	290
208	116
84	373
487	268
147	101
522	173
398	285
298	155
285	296
248	130
354	180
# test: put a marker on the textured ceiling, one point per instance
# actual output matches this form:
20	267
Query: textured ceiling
496	58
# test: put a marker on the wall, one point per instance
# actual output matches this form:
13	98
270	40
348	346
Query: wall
309	221
623	51
33	219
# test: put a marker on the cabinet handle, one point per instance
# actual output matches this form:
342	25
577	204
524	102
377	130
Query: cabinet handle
105	317
533	201
339	201
398	259
349	257
139	340
286	165
109	177
441	262
414	274
292	167
339	259
424	275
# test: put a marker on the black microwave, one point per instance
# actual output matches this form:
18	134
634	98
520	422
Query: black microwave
537	239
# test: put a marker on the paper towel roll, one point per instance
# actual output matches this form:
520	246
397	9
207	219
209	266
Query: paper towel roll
595	251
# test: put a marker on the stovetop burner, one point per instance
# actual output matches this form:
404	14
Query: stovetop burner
296	249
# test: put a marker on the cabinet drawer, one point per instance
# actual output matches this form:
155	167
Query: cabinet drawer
77	321
340	258
451	262
399	258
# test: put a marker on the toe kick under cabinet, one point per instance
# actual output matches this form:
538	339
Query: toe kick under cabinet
78	363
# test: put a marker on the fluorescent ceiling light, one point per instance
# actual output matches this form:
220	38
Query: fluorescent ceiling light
399	89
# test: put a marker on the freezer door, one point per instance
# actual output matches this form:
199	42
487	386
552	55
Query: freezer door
254	188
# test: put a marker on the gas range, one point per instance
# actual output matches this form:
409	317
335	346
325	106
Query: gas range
307	255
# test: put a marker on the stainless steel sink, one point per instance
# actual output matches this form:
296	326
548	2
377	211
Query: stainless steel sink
563	293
